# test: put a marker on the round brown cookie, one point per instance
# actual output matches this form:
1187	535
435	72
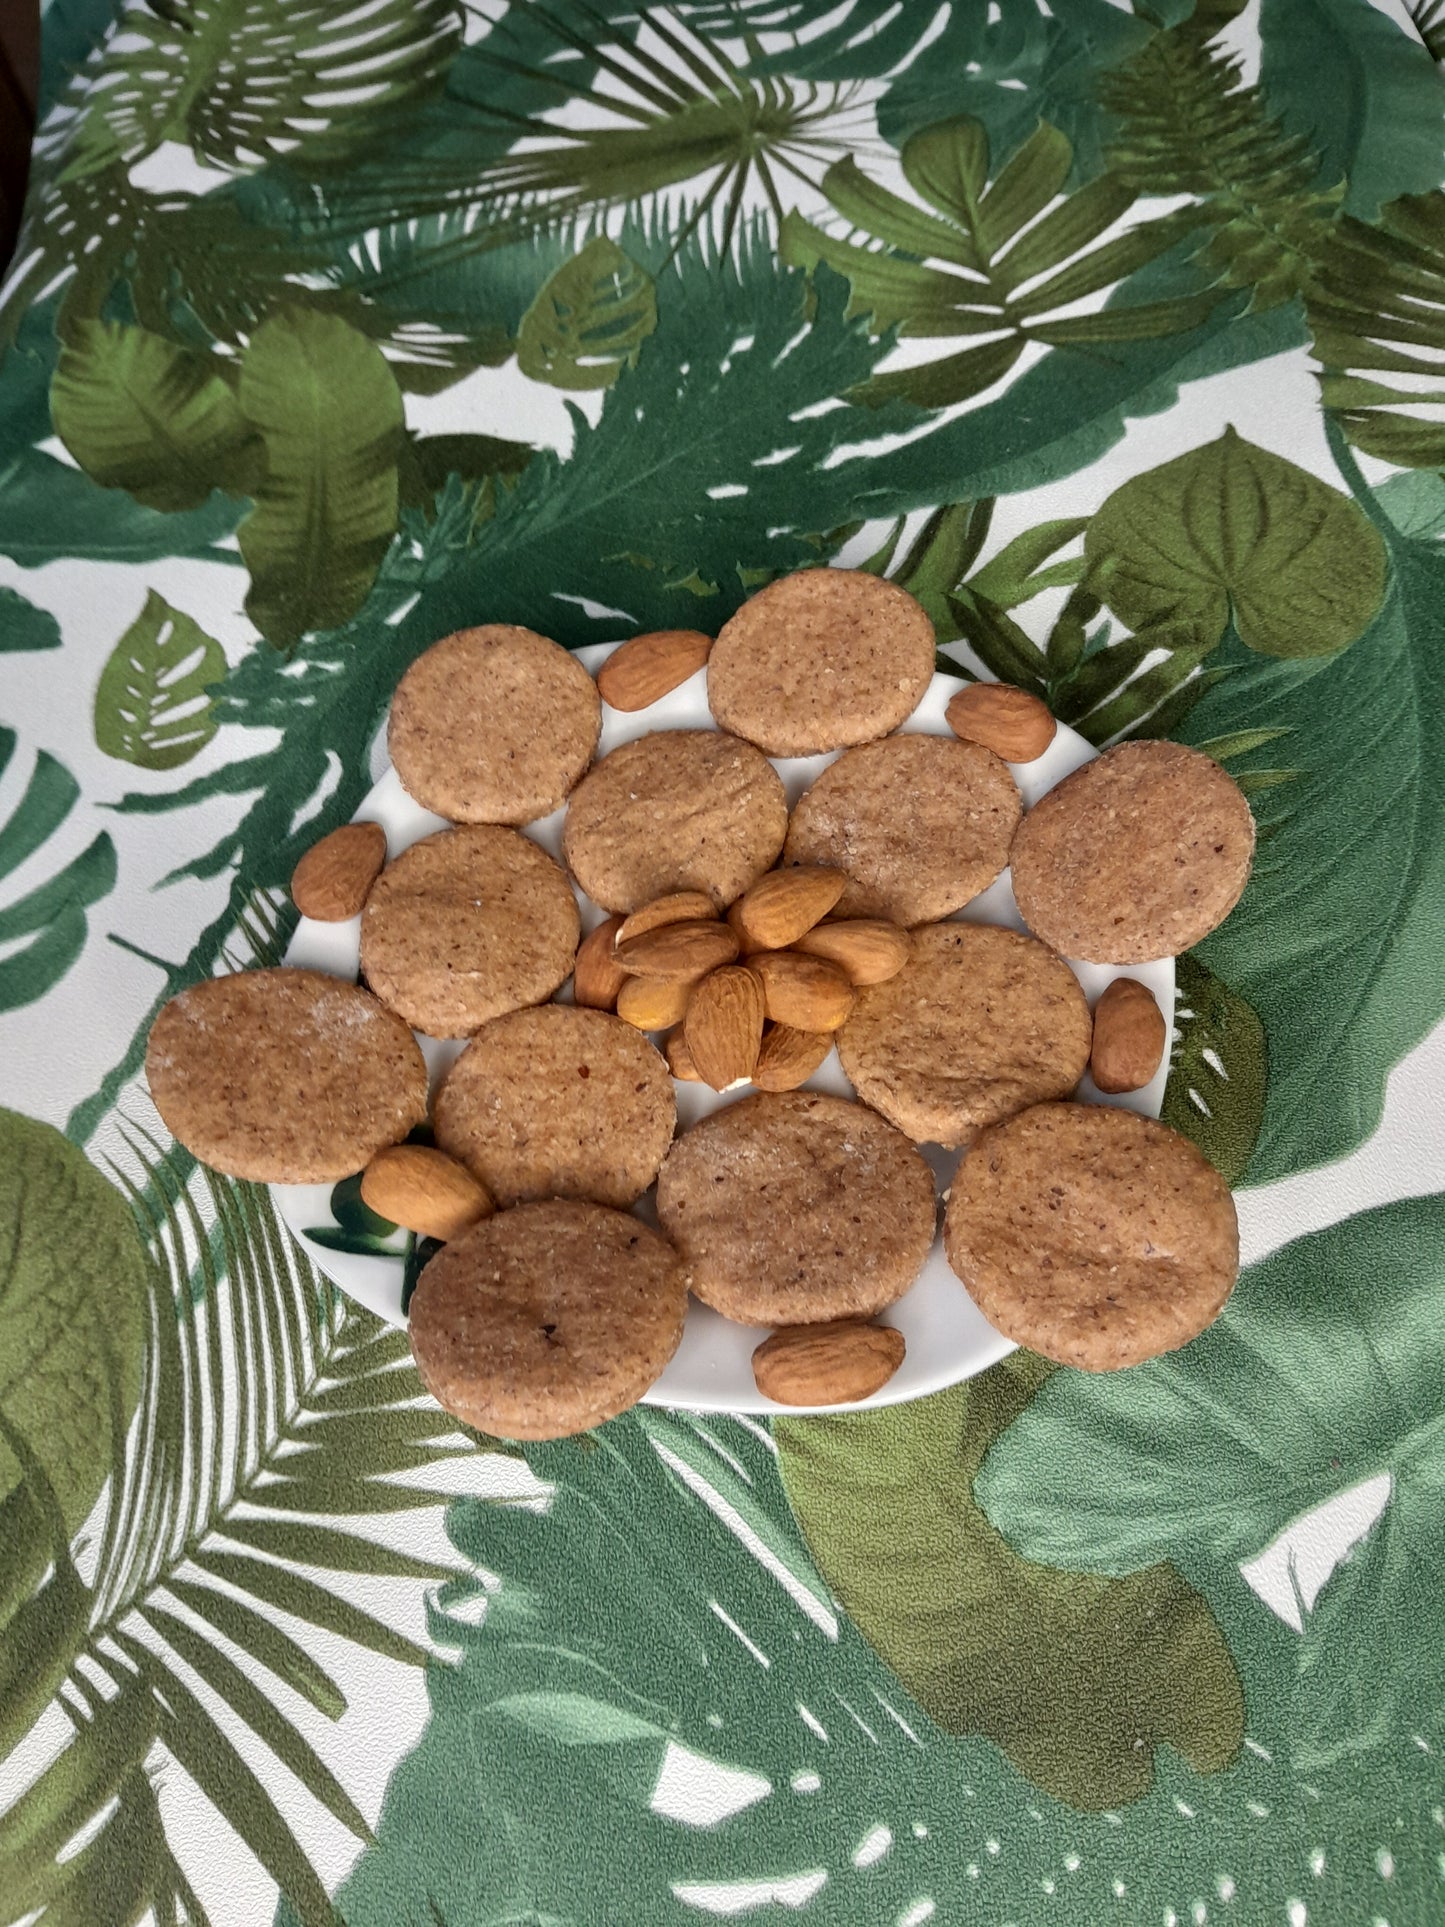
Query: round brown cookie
681	809
979	1023
1094	1236
546	1320
1137	855
466	924
284	1076
493	725
820	659
920	824
793	1207
558	1102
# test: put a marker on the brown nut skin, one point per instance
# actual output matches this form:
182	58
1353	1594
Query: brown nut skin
678	952
597	977
333	880
867	950
679	1057
807	993
724	1026
788	1057
425	1191
646	668
833	1364
1012	723
680	906
1129	1037
653	1003
785	904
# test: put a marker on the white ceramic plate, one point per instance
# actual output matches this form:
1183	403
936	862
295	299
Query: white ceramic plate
948	1337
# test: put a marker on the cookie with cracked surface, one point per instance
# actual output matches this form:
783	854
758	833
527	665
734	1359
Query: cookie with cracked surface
547	1319
1136	856
919	824
1094	1236
680	809
819	660
980	1022
793	1207
466	924
558	1102
284	1076
493	725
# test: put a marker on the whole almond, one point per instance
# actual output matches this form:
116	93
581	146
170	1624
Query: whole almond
596	975
724	1026
679	952
806	993
1129	1037
679	1057
683	906
867	950
334	878
781	906
747	946
831	1364
789	1057
1012	723
647	667
424	1191
653	1003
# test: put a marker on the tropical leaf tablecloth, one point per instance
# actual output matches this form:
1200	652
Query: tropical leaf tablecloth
1119	338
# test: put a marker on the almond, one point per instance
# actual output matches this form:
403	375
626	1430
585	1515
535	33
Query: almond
653	1003
724	1026
334	878
679	1057
865	949
424	1191
789	1057
1012	723
747	947
829	1364
647	667
679	952
806	993
781	906
683	906
1129	1037
596	975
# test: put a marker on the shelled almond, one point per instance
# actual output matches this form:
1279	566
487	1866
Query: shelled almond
596	975
682	906
678	952
806	993
723	1028
425	1191
788	1057
649	667
827	1364
333	880
785	904
867	950
1011	722
653	1003
1129	1037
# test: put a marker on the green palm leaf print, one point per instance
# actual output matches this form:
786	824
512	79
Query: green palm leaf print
43	925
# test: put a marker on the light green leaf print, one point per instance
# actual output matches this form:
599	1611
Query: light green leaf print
243	81
1322	1371
1077	1679
24	626
590	318
139	413
72	1312
51	914
1218	1070
153	704
330	413
1232	532
1011	257
266	1411
1336	941
1414	502
50	510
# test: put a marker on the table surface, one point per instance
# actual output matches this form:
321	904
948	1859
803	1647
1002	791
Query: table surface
1118	341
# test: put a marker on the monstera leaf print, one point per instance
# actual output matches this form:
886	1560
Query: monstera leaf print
43	925
990	258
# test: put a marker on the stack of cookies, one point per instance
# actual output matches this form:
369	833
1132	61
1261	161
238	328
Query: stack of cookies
739	944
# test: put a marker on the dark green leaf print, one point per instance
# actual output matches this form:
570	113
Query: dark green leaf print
1217	1071
590	318
1076	1680
139	413
1232	532
1322	1372
1012	255
51	915
24	626
153	704
329	410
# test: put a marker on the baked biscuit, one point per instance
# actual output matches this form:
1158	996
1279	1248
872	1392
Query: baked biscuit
793	1207
1137	855
284	1076
980	1023
493	725
466	924
682	809
1094	1236
920	825
548	1319
558	1102
821	659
